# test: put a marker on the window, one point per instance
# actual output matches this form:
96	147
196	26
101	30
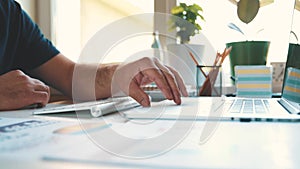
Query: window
75	24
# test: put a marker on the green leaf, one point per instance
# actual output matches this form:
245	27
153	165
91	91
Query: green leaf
202	18
198	27
191	17
183	5
247	10
195	8
177	10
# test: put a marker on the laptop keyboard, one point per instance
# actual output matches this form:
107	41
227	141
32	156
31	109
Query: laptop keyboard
250	106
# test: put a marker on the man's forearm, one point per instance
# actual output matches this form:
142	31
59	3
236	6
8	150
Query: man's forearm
57	73
92	81
78	81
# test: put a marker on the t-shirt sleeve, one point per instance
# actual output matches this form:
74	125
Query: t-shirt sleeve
33	48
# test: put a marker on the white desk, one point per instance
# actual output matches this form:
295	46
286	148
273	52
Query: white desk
231	145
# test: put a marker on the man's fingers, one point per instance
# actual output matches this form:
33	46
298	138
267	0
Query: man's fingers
42	88
171	80
40	98
138	94
35	97
158	77
148	70
40	93
180	82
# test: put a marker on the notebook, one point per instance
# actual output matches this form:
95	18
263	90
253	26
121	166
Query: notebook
96	108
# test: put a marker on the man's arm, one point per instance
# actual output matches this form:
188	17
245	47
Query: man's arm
57	72
101	81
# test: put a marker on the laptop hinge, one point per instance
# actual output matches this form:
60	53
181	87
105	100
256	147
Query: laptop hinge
288	106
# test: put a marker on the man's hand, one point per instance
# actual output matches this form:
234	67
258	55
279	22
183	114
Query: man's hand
18	90
130	77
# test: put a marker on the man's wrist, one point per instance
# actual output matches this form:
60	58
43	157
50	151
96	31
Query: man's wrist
105	73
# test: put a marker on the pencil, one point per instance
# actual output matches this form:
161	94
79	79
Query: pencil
193	57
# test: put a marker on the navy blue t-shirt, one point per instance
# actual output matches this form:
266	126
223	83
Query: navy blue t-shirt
22	45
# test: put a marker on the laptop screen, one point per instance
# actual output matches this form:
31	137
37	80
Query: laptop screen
291	86
291	89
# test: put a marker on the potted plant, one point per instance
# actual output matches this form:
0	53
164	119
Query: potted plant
184	23
248	52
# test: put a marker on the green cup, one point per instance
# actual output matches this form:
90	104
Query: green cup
248	53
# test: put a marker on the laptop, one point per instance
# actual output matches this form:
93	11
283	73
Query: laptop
286	108
95	108
281	108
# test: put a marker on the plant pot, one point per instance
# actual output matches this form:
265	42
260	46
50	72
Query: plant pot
179	58
293	58
248	53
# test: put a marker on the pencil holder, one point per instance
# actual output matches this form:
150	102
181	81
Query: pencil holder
209	80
